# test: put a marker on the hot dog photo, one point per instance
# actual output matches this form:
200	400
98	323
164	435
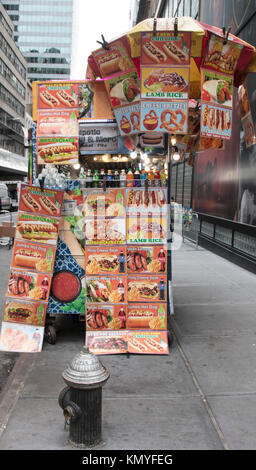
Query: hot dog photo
57	122
114	60
47	202
57	150
145	342
57	95
37	228
216	122
33	257
148	316
147	201
164	48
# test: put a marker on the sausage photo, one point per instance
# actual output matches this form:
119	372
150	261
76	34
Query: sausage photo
30	202
49	99
66	98
156	54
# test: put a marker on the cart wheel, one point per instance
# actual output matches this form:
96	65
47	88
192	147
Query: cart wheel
50	334
170	337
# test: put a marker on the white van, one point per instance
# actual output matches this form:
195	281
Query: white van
5	200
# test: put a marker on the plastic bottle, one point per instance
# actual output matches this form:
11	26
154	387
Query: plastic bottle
101	180
143	178
150	178
129	178
157	178
116	180
163	178
89	179
109	179
136	181
96	178
123	179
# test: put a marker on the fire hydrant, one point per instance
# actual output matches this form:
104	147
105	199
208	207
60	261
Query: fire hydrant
81	400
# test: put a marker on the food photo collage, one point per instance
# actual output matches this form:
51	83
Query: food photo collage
31	269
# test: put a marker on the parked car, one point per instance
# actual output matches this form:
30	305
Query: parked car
5	200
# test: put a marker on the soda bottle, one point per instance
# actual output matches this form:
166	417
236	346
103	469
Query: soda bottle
143	178
89	179
120	288
109	179
136	181
157	178
101	180
116	180
129	178
123	179
95	182
151	177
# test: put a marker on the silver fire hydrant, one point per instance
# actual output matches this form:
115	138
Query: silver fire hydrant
81	400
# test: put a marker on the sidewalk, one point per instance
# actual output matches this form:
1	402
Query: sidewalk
201	396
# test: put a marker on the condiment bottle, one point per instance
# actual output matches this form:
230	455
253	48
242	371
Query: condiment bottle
129	178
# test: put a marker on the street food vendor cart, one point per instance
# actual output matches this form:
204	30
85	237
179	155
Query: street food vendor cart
93	233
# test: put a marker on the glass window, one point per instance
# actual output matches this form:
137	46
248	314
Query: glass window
180	8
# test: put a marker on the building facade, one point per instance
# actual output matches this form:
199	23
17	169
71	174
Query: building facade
43	34
13	84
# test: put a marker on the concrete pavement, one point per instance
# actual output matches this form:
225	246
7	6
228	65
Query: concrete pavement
201	396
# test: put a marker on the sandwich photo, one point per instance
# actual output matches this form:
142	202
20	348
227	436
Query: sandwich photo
38	231
31	203
126	91
147	290
98	203
98	291
108	263
218	91
20	311
61	152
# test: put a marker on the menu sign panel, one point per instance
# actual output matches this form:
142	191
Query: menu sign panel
31	269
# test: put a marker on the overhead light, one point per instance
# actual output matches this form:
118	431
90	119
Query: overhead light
105	158
144	156
173	140
115	158
76	166
147	168
147	160
95	159
133	155
176	156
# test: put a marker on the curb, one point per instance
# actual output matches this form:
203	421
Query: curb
13	388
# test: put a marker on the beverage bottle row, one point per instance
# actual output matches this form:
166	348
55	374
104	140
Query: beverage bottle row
116	179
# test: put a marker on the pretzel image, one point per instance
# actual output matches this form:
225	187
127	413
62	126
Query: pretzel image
150	120
125	125
172	124
135	119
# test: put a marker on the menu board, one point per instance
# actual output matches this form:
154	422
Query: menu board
31	269
246	116
128	118
217	75
165	72
126	285
217	103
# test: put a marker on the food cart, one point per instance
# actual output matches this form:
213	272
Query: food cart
93	232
